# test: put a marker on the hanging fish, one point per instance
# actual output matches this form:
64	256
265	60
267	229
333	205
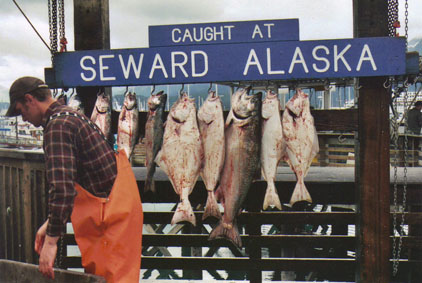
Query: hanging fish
101	115
211	127
242	141
301	142
154	130
272	146
127	130
181	154
75	102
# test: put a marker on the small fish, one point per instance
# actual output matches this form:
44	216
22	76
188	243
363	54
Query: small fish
242	143
301	142
211	127
154	130
181	154
101	115
272	146
127	130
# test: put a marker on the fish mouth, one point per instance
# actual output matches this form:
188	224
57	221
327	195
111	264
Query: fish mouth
271	94
101	110
212	95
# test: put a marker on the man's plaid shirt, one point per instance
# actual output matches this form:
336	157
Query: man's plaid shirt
74	152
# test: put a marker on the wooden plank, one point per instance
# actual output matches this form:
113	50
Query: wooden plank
27	212
92	31
373	183
201	263
373	156
264	218
3	233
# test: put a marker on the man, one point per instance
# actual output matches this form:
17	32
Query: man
414	119
87	182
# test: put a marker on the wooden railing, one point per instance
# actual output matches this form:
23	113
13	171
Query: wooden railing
277	244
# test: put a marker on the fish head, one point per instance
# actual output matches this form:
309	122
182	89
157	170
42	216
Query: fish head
210	108
244	104
130	100
155	99
75	103
183	108
103	102
271	104
212	96
298	103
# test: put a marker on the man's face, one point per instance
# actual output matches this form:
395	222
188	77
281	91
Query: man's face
29	110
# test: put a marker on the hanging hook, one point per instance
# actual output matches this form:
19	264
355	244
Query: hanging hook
389	83
153	89
406	82
209	89
181	91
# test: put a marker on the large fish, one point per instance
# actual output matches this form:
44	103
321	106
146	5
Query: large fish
101	115
242	140
272	146
181	154
154	130
301	142
211	127
127	130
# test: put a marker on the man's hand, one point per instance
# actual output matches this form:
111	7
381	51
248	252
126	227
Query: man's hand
40	236
46	247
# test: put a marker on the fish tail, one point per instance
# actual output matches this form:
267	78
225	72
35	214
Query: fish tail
184	213
149	180
226	231
271	197
211	207
149	185
300	193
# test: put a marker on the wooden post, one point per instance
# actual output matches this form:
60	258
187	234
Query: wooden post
373	157
92	31
27	212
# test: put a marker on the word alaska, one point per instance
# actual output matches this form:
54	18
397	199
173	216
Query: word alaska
361	57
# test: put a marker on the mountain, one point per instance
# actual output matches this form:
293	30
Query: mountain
415	44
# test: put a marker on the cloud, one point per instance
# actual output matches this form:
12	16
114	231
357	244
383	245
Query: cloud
23	53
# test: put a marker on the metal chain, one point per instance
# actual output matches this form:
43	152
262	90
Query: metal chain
406	22
395	125
61	19
393	17
52	21
62	35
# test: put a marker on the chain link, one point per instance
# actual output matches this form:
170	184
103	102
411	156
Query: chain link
61	19
52	20
393	17
406	21
395	125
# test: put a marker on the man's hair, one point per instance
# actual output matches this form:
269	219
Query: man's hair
418	103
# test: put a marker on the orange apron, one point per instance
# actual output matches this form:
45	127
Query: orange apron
108	231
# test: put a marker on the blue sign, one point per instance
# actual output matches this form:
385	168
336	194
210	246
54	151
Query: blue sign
224	32
359	57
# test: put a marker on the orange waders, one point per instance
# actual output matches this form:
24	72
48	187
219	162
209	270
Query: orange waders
109	230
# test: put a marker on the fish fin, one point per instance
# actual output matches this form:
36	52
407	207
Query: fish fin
228	232
211	207
271	197
219	195
207	118
229	118
300	193
184	213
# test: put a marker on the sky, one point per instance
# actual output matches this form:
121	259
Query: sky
22	53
